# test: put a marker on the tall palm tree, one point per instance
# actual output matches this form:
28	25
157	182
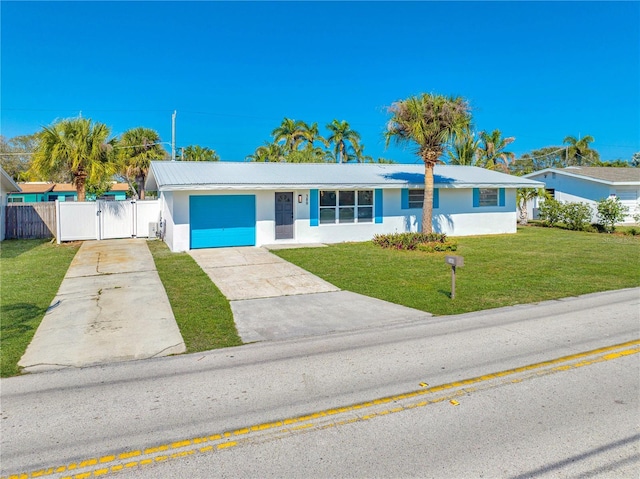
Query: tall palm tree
199	153
77	147
137	148
464	150
341	134
311	135
492	154
292	132
579	152
429	121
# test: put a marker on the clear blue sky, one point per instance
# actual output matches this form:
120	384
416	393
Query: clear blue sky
538	71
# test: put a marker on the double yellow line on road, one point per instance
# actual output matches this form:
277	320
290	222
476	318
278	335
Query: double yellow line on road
96	467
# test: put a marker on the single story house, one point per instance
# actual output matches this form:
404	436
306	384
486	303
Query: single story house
37	191
589	184
7	186
216	204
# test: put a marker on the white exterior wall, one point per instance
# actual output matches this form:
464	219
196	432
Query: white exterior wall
578	190
456	216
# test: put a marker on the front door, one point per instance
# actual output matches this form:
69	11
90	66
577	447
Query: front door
284	215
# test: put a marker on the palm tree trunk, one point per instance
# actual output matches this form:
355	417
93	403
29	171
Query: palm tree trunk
427	206
140	181
80	180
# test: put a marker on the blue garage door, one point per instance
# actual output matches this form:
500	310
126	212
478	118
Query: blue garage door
218	221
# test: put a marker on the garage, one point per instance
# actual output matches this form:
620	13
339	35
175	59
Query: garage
222	220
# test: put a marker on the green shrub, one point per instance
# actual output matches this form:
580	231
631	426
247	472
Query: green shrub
550	212
435	247
576	216
610	212
408	241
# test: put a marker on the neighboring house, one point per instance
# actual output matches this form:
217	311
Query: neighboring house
589	184
7	185
33	192
207	204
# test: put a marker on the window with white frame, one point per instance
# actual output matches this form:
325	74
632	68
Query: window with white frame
15	199
346	206
488	197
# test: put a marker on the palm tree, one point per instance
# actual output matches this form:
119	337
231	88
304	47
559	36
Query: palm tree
523	196
269	152
430	121
199	153
579	153
292	132
341	134
492	152
464	150
137	148
76	147
311	134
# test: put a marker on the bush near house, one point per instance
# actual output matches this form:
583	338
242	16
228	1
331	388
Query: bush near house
574	216
610	212
429	242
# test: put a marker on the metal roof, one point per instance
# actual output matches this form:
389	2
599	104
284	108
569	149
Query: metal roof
600	174
221	175
7	182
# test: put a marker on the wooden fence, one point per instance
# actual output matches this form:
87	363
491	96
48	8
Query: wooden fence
27	221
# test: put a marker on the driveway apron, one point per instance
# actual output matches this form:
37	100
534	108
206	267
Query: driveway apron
111	306
273	299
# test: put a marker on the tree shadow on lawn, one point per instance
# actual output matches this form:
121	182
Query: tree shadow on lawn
14	248
16	319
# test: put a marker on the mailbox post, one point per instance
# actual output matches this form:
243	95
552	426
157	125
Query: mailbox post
454	261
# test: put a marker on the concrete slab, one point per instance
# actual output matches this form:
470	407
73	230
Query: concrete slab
111	306
250	273
286	317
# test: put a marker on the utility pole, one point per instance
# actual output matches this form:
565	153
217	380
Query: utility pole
173	135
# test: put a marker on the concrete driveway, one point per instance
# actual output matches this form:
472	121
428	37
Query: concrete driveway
111	306
273	299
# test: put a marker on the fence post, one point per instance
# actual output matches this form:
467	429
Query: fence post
58	227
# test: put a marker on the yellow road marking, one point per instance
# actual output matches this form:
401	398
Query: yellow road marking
554	365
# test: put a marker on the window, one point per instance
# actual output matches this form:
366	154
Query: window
551	192
346	207
488	197
15	199
416	198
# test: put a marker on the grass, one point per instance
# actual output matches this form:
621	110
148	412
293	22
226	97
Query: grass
30	274
201	311
533	265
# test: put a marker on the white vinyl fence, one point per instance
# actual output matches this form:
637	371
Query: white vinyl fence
97	220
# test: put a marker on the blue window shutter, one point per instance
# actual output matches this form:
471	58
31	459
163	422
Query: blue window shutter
378	204
501	197
313	208
476	197
405	198
436	197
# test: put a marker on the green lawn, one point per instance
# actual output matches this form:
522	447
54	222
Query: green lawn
201	311
30	274
533	265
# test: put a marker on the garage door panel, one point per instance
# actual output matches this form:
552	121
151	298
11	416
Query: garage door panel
225	220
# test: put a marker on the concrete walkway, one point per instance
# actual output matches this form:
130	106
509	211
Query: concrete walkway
111	306
273	299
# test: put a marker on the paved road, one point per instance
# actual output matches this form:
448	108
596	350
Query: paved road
561	417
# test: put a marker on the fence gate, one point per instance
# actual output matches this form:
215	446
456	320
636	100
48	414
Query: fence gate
116	218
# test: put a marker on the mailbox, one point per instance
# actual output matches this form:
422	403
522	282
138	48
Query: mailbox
454	260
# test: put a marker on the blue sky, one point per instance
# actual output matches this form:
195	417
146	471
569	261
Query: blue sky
538	71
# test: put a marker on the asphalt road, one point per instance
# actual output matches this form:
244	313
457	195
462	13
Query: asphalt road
549	390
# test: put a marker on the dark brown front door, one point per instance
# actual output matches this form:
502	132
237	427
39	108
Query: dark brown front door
284	215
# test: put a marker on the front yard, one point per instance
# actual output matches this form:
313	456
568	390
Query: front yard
30	274
536	264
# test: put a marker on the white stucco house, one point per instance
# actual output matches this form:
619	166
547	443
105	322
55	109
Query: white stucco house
589	184
7	185
215	204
